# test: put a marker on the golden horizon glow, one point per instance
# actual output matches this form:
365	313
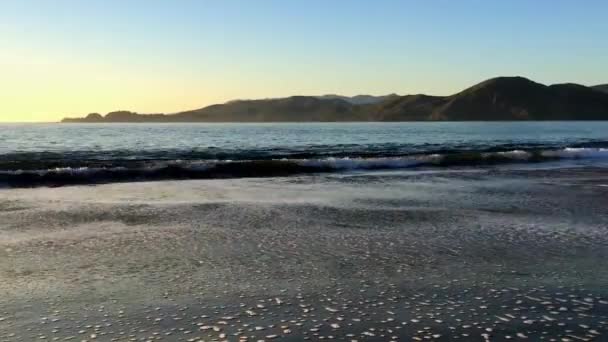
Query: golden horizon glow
39	87
47	86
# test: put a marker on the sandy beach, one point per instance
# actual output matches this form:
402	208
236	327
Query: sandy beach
469	255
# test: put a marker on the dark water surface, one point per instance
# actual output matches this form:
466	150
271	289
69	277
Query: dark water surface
57	154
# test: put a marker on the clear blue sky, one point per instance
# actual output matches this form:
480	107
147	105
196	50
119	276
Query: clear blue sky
69	57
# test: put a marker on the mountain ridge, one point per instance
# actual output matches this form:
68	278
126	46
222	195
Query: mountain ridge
362	99
601	87
496	99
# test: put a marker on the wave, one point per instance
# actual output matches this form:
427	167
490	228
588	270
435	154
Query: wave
208	169
42	160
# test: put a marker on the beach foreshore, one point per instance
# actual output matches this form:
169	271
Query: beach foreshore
464	254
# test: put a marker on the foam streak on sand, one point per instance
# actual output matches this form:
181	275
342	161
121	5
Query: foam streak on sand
489	255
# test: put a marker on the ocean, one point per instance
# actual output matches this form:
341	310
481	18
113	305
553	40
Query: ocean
63	154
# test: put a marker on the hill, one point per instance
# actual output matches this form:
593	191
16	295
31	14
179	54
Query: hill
501	98
359	99
601	87
506	98
290	109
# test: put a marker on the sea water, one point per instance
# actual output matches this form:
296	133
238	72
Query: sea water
34	154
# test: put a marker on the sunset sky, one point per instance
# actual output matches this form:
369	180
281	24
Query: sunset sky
68	58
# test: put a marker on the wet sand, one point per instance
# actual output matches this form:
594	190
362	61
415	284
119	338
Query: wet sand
484	255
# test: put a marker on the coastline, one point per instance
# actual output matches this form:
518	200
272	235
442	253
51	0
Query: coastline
495	99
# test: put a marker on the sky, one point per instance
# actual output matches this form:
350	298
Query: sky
63	58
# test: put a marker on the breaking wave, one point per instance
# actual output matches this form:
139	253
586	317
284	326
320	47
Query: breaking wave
93	172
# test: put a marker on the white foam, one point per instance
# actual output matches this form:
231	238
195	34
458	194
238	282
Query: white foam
362	163
577	153
515	154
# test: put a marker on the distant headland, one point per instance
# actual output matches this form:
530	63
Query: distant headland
496	99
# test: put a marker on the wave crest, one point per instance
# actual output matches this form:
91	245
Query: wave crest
178	169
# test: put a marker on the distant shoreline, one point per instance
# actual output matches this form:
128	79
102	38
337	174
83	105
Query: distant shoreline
303	122
496	99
